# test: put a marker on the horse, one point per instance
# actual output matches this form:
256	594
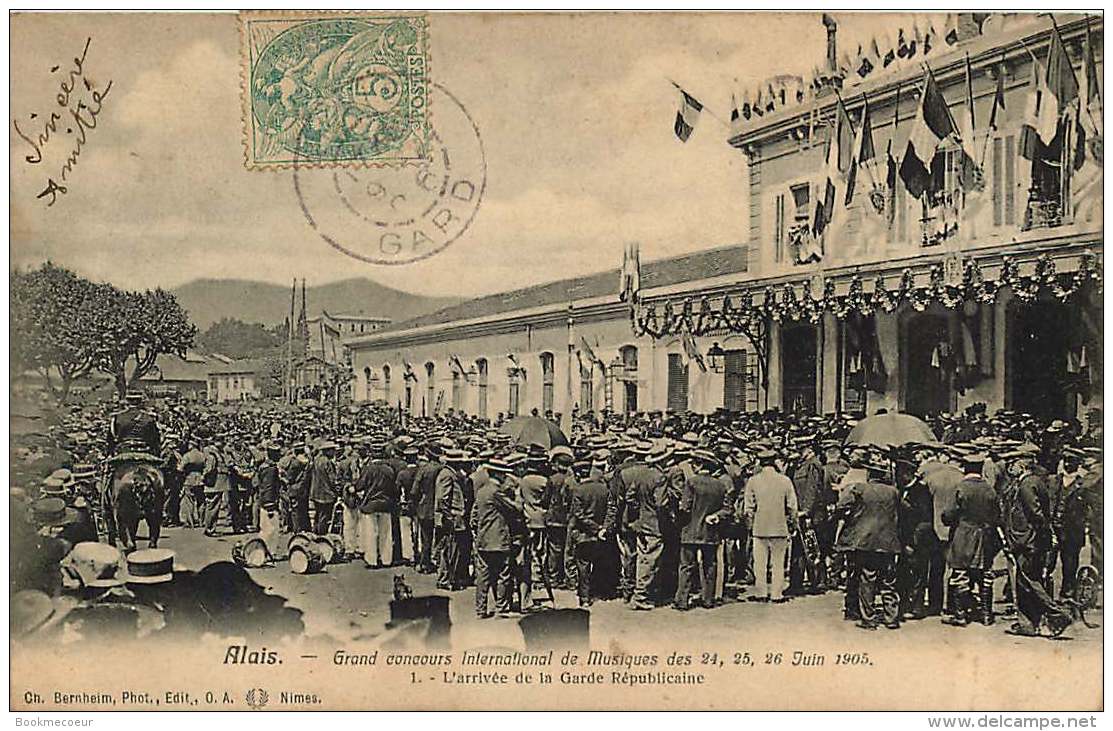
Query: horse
136	491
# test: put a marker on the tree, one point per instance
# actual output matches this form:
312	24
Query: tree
138	327
64	327
271	376
238	339
54	326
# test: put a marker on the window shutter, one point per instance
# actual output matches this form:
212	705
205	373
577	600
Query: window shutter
734	380
998	181
779	228
1010	180
678	384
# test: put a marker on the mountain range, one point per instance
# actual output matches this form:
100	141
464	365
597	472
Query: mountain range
209	300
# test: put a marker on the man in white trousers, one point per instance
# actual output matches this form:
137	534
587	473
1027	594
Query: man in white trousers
770	508
348	477
379	491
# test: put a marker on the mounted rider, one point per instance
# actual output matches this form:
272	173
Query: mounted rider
136	484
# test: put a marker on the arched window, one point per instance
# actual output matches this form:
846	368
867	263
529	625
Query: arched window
481	367
367	383
587	385
429	389
547	377
629	378
457	389
514	390
386	383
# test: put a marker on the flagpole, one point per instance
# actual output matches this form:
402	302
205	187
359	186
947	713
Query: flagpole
1074	76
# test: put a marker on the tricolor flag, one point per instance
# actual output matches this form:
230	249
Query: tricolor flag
888	48
1061	87
687	115
587	352
930	39
840	156
932	125
969	171
1030	143
630	282
998	102
1089	93
952	29
691	352
864	152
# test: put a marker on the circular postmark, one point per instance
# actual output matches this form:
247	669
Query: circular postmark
399	215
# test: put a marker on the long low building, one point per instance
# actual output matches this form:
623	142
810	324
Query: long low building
969	294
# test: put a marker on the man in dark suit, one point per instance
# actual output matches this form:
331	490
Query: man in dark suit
701	509
1027	530
450	525
811	504
495	519
869	536
1069	513
424	501
408	548
646	500
378	495
632	458
267	486
591	518
322	488
974	543
556	518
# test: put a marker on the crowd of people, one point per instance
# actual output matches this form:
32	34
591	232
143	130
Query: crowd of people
660	509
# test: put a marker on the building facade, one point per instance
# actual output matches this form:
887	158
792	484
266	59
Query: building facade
236	381
973	293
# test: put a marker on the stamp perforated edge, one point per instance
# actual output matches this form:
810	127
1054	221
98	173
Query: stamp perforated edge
245	89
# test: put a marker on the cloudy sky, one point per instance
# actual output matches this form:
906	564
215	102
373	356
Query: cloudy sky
576	113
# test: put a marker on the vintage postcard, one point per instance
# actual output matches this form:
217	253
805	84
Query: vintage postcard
567	361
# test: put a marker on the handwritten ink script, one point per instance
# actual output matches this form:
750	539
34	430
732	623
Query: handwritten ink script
62	133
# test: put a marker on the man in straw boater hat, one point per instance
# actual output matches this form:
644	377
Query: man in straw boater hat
560	568
701	510
869	537
1027	537
770	508
591	514
449	518
378	499
323	486
268	487
496	519
533	489
973	518
424	496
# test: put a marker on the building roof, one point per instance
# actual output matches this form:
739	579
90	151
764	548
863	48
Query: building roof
236	367
659	273
193	367
357	316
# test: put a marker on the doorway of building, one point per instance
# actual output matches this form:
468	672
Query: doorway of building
1038	340
798	358
928	364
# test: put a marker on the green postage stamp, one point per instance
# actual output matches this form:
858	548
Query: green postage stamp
335	89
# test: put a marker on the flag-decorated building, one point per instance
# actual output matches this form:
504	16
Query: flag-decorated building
925	225
925	233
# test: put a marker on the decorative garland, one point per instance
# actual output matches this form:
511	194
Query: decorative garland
739	313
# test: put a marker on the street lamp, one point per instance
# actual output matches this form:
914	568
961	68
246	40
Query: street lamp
716	356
